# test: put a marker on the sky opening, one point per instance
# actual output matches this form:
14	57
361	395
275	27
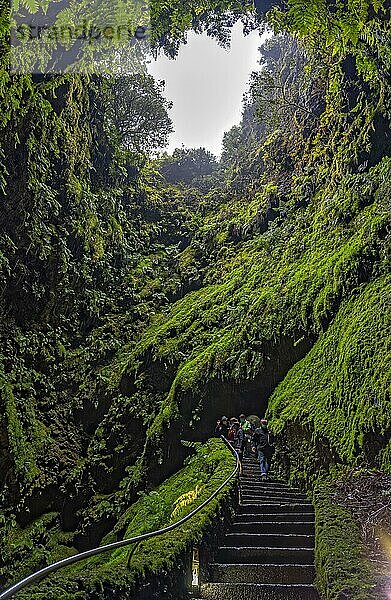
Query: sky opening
206	84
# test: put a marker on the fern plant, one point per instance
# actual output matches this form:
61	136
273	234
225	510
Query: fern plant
185	500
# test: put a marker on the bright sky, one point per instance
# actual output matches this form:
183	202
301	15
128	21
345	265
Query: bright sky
206	84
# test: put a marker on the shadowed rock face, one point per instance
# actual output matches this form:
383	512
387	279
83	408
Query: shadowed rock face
231	398
199	410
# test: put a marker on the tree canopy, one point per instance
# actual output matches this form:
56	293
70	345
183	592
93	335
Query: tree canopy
137	111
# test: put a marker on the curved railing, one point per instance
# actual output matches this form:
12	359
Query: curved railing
65	562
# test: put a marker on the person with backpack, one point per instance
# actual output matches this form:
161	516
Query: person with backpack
262	444
231	429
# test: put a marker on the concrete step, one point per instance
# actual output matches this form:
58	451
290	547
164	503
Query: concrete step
251	467
263	494
265	489
261	482
268	485
270	540
266	573
275	507
250	462
262	501
256	470
263	486
251	554
276	526
247	517
257	480
258	591
266	499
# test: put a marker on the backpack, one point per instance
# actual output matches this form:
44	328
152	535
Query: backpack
261	438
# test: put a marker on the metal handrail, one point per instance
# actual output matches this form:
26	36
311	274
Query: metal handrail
121	543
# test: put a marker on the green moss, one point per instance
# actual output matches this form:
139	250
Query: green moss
39	543
210	466
342	569
24	445
290	283
340	390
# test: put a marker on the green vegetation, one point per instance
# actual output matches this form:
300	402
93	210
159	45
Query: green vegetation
161	558
290	284
138	292
341	566
339	391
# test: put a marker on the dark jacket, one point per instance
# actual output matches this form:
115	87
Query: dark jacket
263	440
238	441
222	429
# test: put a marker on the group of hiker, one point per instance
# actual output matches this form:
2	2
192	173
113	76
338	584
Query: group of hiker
248	436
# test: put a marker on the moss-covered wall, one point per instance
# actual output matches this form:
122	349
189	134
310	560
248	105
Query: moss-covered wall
134	312
286	289
340	391
343	571
157	565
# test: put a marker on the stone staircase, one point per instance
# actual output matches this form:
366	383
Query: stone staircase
269	552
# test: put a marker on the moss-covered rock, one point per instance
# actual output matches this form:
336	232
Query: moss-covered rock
134	312
158	564
339	392
343	571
